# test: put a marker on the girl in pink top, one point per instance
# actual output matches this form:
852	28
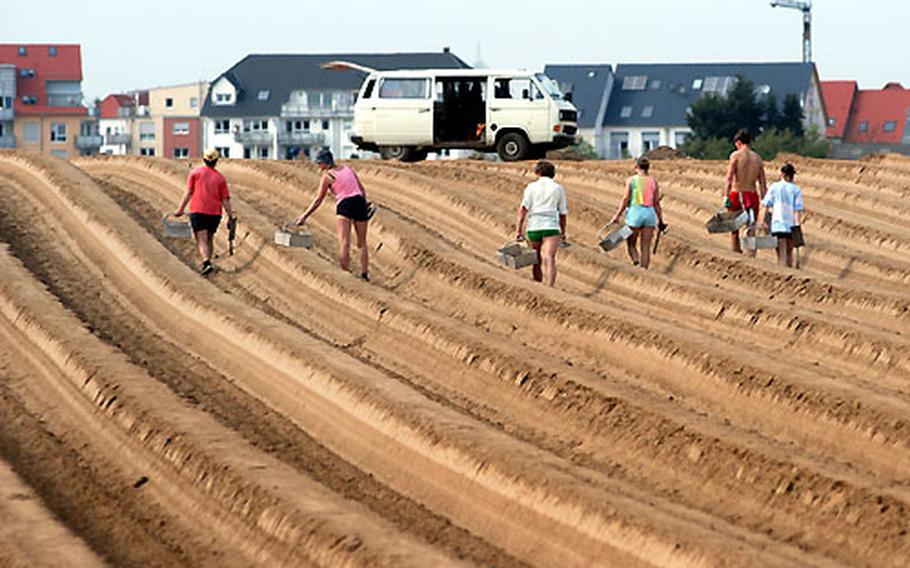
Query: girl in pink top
352	209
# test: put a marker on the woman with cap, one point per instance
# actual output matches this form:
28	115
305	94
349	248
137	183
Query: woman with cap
206	193
784	203
642	199
352	208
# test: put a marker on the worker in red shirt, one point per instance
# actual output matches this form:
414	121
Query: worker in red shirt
206	194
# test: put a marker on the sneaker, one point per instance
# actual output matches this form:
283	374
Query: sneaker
207	268
365	276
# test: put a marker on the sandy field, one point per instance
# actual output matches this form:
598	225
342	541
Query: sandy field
713	411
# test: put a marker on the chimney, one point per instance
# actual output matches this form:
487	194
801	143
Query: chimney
445	49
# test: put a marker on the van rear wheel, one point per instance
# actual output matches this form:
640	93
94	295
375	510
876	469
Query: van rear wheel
512	147
400	153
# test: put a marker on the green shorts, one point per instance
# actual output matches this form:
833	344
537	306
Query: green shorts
534	236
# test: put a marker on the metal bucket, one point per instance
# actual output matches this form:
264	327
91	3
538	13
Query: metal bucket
759	242
517	255
727	221
289	236
612	239
176	229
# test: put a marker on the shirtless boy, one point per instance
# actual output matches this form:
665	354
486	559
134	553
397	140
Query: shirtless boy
746	168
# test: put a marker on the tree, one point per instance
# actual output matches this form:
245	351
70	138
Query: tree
744	108
709	117
772	112
792	116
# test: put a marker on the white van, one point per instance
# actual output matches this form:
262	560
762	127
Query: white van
405	114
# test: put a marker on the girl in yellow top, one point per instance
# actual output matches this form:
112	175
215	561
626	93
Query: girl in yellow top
642	199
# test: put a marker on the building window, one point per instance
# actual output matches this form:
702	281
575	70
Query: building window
647	112
222	126
263	95
52	51
255	125
681	138
194	102
181	128
247	154
146	151
31	133
224	151
832	122
696	84
6	102
864	126
22	50
306	125
325	124
181	152
222	98
146	132
264	153
635	83
655	85
649	141
169	102
58	132
626	112
890	126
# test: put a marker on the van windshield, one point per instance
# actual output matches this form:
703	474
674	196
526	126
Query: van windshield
549	85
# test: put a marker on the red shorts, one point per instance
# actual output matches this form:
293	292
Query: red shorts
750	200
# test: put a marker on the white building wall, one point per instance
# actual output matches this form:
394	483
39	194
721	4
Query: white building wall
112	126
666	136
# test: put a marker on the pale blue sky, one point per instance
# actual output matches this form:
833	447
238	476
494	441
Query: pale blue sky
130	44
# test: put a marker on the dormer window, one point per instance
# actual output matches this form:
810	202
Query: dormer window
223	98
52	51
22	51
263	95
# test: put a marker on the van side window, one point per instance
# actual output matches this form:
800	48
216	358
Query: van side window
516	88
368	92
394	88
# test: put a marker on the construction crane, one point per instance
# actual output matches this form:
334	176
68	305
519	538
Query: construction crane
804	6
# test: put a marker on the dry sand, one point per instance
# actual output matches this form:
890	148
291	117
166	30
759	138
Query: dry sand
713	411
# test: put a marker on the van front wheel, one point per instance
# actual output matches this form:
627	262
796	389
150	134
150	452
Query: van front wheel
512	147
400	153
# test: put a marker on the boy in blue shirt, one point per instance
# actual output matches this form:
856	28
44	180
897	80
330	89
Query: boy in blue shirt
784	203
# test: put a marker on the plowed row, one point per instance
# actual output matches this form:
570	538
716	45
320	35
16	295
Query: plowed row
713	411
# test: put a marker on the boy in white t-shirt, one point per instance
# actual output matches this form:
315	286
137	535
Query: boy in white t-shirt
784	202
545	208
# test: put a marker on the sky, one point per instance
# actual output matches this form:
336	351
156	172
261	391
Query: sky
132	45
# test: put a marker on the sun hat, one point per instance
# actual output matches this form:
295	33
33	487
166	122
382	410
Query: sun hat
211	155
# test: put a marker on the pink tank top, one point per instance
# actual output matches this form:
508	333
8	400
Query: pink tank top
643	190
346	183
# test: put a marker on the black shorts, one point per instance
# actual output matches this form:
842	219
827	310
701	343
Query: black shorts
205	222
782	235
354	208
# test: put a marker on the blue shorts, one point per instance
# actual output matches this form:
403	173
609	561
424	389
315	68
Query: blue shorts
641	216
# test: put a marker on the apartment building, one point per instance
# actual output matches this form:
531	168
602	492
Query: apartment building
41	101
649	103
865	121
285	106
116	115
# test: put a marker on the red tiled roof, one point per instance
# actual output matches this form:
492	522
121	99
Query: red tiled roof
112	103
838	96
66	65
876	109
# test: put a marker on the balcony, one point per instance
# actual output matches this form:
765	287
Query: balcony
254	138
304	111
8	141
92	142
300	138
68	100
114	139
6	114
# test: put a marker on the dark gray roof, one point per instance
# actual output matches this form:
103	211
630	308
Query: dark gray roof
587	83
280	74
675	93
